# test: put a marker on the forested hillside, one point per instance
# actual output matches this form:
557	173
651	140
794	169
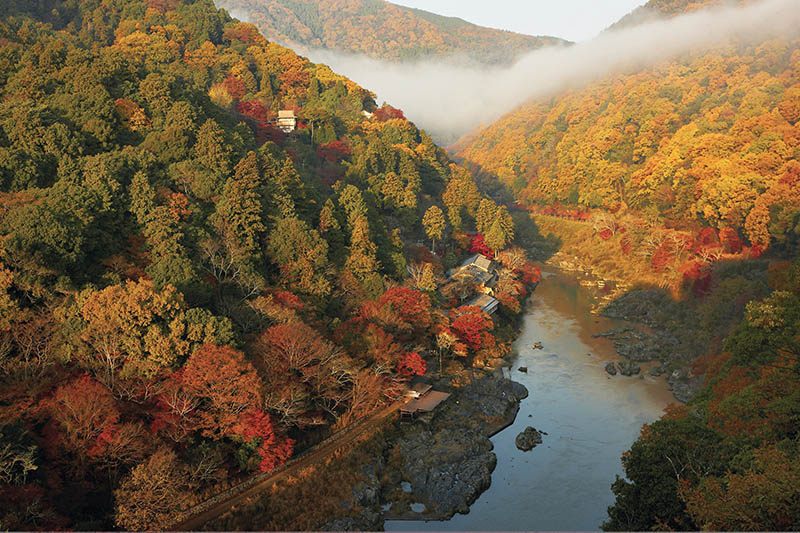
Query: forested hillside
680	175
730	459
381	30
189	293
660	9
709	140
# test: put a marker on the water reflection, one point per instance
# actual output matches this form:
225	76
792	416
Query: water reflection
590	418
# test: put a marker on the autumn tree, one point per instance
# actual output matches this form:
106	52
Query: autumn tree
402	311
473	327
411	364
434	224
764	497
372	389
225	385
18	454
89	425
294	353
153	494
424	277
258	432
132	330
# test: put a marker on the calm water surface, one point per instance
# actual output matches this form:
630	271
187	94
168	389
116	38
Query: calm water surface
590	418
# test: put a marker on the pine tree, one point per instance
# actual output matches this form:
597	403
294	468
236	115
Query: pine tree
212	151
496	237
487	211
352	202
239	218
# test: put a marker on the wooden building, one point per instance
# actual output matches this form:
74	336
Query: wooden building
287	121
422	399
487	303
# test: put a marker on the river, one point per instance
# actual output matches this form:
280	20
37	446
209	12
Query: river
590	419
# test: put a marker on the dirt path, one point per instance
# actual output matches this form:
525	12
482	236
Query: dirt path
218	505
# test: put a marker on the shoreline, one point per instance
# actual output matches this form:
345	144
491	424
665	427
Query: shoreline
394	504
648	347
443	460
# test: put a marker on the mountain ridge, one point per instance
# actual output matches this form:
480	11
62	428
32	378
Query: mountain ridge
382	30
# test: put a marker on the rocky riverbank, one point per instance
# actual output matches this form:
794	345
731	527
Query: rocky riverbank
656	337
436	465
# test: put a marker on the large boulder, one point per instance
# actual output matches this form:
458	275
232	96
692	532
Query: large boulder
629	368
519	390
611	369
528	439
448	468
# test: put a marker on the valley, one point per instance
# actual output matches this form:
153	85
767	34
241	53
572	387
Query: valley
589	419
236	293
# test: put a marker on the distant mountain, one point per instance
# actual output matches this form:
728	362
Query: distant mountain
660	9
381	30
707	139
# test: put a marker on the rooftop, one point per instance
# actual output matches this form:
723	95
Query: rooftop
480	261
423	399
486	303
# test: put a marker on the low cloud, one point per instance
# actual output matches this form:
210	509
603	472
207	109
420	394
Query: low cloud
450	98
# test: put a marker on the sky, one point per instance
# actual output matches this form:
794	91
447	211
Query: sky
574	20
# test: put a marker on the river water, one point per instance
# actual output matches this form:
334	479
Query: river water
590	418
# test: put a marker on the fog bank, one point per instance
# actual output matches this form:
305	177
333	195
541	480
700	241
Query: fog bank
449	98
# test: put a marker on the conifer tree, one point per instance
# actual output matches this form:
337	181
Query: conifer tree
302	255
428	280
362	261
239	215
487	211
434	224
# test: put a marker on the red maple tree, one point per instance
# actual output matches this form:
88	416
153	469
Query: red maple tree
411	364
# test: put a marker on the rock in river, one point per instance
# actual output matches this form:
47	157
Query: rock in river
611	369
629	368
528	439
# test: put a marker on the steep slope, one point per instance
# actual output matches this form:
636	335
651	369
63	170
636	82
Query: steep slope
657	177
729	460
710	139
381	30
190	289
